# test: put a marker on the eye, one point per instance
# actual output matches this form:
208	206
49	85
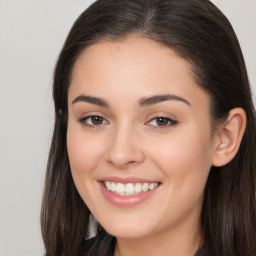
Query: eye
93	120
162	122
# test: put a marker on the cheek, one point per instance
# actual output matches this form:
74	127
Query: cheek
185	160
185	147
185	164
84	152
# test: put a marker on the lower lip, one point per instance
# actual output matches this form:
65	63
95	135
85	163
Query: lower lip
126	201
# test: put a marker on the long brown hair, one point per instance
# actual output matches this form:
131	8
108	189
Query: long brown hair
202	35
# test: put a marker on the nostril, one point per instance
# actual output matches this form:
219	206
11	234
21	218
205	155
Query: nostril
131	162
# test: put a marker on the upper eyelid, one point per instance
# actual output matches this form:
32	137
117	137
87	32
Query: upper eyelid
170	119
85	115
90	116
161	114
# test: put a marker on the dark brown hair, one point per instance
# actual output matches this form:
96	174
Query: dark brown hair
198	32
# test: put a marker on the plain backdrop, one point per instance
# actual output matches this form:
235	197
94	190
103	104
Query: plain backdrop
31	36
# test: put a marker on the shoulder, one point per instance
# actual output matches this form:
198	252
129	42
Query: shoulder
101	245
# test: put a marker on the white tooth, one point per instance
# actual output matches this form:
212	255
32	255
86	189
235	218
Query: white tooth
145	187
108	185
151	186
129	188
120	188
137	188
113	187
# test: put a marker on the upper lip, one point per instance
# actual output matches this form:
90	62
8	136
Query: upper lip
126	180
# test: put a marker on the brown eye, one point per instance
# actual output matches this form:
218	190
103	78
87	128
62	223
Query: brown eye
162	122
93	120
96	120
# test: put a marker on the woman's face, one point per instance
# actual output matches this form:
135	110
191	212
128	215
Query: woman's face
139	138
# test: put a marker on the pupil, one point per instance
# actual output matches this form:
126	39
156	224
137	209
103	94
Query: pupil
97	120
161	121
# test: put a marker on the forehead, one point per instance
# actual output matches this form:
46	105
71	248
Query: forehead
136	66
133	55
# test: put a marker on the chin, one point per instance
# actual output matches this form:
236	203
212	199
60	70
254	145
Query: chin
127	230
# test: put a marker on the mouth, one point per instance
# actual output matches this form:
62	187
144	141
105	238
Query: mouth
129	188
128	192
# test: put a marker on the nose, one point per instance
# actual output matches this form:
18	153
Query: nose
125	149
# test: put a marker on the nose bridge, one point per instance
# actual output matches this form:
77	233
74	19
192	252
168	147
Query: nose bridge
124	149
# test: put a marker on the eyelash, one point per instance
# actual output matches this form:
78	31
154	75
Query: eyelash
171	122
84	121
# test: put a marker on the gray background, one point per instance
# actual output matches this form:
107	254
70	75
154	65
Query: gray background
31	36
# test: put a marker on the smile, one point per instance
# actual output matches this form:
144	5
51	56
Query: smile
127	192
130	188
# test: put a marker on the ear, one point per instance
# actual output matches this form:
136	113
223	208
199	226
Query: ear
229	136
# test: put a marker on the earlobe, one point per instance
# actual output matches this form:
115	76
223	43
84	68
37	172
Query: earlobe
229	136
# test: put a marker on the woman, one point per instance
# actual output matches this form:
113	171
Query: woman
154	135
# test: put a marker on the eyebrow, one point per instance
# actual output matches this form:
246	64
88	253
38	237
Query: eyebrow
90	99
145	101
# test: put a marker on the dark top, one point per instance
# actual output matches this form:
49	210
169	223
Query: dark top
104	245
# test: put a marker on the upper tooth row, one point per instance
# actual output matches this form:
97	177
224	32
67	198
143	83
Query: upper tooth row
129	188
